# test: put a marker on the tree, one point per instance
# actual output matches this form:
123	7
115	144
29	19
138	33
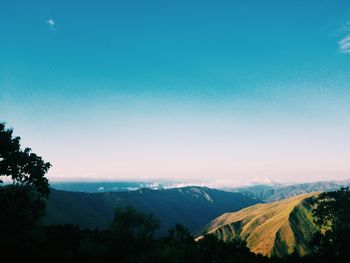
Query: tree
24	168
128	222
178	246
23	187
332	215
131	235
179	234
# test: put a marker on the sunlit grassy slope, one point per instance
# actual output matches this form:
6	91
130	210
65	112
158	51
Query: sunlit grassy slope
274	229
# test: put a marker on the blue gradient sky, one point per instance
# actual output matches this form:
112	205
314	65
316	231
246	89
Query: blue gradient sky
236	91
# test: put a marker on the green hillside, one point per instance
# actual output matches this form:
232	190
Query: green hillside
274	229
191	206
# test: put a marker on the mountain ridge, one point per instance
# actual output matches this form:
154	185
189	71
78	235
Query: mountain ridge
191	206
273	229
270	193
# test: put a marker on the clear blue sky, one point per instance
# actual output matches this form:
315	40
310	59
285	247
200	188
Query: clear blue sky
187	90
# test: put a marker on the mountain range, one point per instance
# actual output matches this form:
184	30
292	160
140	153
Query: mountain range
270	193
274	220
275	229
266	192
193	207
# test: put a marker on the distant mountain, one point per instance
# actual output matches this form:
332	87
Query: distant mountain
191	206
113	186
269	193
274	229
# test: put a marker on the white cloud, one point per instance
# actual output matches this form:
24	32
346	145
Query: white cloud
344	44
52	24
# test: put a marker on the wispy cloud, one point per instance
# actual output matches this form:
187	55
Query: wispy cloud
51	24
344	43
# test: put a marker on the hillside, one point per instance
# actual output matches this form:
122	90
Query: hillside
274	229
278	192
191	206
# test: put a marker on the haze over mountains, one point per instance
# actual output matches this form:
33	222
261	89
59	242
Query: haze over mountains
258	188
265	192
270	193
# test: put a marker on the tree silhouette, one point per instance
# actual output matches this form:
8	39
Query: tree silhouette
23	188
131	234
128	222
24	168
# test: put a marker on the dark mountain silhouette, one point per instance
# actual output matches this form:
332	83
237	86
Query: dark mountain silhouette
191	206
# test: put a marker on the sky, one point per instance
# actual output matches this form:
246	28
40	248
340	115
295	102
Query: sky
230	91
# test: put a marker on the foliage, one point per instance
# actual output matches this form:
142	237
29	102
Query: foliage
25	169
332	214
24	192
333	210
131	233
129	223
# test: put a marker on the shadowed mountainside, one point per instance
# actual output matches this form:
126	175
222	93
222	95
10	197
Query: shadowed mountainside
191	206
275	229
